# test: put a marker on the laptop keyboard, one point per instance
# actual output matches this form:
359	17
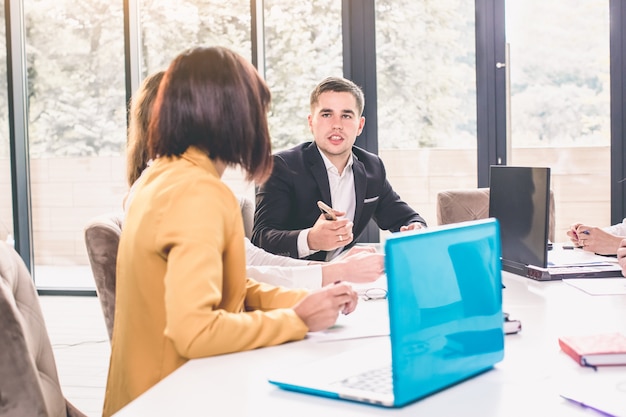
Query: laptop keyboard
375	380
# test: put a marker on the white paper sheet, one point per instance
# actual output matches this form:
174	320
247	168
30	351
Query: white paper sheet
599	286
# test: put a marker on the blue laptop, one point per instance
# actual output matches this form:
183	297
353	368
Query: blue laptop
445	320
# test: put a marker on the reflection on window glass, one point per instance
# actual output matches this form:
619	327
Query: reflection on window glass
6	212
170	27
426	75
303	45
560	90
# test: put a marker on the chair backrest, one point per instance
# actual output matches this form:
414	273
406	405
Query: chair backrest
29	383
247	212
102	238
459	205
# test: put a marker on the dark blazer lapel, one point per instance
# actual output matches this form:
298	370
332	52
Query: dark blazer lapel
318	170
360	186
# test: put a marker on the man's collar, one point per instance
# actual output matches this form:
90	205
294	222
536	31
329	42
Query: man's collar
329	165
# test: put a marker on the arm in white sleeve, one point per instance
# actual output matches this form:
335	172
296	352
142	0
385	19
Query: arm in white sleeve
303	244
618	229
256	256
308	276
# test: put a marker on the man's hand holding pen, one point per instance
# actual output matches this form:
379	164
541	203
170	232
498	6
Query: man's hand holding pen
330	234
330	231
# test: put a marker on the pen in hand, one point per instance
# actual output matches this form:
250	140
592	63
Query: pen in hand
326	210
579	238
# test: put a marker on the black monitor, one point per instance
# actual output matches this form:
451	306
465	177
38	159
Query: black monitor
519	199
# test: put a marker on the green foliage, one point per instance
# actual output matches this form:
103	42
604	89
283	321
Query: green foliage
303	45
425	68
168	28
75	54
426	73
560	92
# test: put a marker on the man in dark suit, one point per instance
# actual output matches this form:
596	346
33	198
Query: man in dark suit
331	169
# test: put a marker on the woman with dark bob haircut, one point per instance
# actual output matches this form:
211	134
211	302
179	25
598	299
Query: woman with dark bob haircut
182	291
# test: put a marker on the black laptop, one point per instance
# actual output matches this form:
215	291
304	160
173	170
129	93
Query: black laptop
519	198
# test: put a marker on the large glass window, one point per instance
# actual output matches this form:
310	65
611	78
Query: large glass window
77	129
560	102
303	45
559	94
425	63
170	27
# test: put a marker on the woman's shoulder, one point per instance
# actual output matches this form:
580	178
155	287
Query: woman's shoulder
171	182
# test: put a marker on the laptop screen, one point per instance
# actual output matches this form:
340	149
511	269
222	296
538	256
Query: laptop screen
445	305
519	199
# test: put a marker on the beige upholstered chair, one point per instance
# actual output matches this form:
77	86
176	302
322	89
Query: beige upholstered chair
102	238
29	383
460	205
465	204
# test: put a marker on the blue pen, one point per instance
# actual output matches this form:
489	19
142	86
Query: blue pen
584	405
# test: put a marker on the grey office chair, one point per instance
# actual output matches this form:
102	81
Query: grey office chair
102	238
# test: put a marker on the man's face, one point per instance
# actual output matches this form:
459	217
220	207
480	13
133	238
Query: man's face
335	124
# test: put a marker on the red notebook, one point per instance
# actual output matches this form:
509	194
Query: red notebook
597	349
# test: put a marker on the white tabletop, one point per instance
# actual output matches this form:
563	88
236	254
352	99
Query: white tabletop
526	383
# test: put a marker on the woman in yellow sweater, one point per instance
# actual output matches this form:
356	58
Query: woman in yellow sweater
182	291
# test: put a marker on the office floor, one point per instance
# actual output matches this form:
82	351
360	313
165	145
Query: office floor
81	348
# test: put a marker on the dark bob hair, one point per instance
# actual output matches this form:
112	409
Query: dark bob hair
213	99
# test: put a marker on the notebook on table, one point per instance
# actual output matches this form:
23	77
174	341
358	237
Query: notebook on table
445	320
519	198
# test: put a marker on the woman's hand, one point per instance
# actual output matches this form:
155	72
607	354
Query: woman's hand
360	266
320	309
596	240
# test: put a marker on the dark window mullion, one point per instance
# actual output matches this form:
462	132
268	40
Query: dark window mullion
359	65
490	87
18	129
618	118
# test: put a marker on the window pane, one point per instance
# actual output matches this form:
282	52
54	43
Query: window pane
425	62
77	129
303	45
6	208
170	27
560	102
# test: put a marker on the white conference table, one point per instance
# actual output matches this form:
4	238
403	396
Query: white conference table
526	383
